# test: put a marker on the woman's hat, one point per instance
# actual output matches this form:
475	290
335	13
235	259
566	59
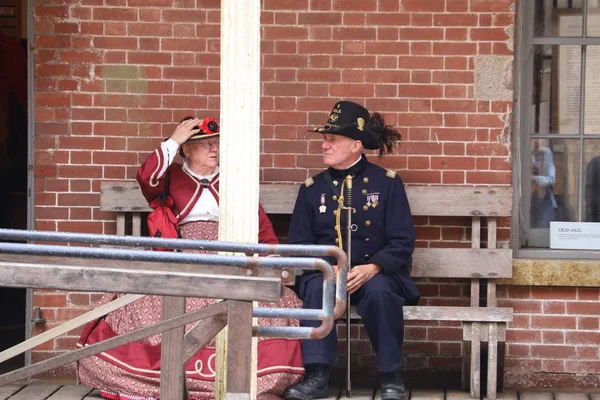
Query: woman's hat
350	119
208	128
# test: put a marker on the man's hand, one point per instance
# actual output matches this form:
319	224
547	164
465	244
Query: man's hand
184	130
360	274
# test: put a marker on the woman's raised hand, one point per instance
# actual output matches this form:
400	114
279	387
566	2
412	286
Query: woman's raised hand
185	129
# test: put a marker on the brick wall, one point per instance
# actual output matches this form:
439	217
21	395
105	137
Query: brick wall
112	77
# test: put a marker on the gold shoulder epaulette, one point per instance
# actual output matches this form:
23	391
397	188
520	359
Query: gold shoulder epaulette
390	173
309	182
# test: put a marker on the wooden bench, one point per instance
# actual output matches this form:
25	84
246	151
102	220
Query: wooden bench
482	320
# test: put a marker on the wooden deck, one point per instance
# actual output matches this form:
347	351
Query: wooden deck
45	391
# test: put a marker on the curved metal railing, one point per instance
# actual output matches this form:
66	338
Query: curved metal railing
332	286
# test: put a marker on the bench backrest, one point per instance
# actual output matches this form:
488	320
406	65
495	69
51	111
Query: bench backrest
475	202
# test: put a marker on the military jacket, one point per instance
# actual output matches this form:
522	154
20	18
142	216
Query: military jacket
382	226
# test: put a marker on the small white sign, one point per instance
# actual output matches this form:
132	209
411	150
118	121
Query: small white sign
575	235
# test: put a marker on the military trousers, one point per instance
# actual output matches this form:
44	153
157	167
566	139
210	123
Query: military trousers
380	307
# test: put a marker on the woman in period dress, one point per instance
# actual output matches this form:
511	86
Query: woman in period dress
132	371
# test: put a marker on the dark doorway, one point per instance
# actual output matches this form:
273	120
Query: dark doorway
13	160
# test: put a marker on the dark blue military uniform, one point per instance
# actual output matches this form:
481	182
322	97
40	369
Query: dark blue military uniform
383	234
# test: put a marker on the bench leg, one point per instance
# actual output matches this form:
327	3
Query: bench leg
492	360
466	358
475	361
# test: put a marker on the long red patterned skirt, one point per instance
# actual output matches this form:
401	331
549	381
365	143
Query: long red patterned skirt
132	371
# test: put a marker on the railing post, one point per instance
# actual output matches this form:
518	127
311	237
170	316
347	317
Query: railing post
172	377
239	350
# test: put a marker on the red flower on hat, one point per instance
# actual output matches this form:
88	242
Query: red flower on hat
209	126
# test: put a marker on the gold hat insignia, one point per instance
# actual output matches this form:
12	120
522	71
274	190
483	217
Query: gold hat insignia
361	124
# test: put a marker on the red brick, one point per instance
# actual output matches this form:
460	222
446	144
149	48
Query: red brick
455	34
317	75
554	307
580	307
588	323
421	6
48	11
353	33
488	34
113	157
451	48
583	367
523	336
453	76
387	19
411	62
52	99
460	20
587	352
553	337
50	300
422	34
553	322
114	14
517	350
554	293
491	6
453	105
547	351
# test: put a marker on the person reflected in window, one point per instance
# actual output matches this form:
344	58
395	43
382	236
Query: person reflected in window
543	177
592	190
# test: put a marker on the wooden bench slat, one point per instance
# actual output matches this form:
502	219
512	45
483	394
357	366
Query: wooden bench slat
280	199
462	263
447	313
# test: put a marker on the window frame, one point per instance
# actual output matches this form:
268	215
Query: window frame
524	62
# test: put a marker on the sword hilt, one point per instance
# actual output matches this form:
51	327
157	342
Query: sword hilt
348	191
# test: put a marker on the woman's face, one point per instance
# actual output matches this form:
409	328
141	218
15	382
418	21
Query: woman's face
203	153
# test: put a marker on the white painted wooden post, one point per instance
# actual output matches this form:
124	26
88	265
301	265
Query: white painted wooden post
240	140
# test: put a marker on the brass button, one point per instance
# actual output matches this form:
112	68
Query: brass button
337	227
354	211
367	240
334	197
366	180
364	191
337	240
365	207
335	211
367	223
335	183
367	255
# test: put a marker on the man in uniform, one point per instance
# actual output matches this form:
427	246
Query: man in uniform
382	243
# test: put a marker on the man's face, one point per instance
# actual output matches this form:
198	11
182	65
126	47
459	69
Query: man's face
340	152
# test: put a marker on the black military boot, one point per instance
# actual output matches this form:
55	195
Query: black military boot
315	384
392	386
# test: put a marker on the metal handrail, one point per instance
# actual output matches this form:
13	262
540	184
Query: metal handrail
202	245
327	314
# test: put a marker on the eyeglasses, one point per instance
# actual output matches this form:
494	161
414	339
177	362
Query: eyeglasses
209	144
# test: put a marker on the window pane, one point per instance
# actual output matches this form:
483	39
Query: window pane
558	18
556	82
554	186
592	90
593	18
591	161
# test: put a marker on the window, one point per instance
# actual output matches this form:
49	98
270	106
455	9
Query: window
558	88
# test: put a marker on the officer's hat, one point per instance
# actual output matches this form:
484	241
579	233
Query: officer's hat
350	119
208	128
